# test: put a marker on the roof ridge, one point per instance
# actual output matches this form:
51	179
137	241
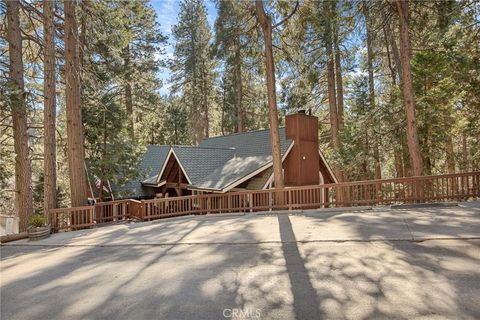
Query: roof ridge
188	146
240	133
201	147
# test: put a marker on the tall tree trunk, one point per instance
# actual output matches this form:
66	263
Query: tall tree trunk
393	72
239	85
75	148
128	92
49	111
408	94
339	80
391	40
397	154
206	118
371	87
23	170
104	157
450	155
465	166
224	104
332	95
266	23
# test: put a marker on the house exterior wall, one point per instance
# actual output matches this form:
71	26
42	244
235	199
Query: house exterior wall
303	162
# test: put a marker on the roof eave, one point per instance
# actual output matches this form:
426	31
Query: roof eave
330	171
254	173
154	185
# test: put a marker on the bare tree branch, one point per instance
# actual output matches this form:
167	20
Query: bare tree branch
288	17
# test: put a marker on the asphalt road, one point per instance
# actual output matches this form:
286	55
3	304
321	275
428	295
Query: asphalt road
383	264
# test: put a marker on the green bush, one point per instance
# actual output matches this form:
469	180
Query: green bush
37	221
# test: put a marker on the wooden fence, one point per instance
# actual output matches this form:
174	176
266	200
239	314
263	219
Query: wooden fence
450	187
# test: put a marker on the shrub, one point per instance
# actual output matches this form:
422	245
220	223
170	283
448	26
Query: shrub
37	221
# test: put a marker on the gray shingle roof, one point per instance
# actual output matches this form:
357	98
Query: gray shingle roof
217	163
253	143
252	151
200	161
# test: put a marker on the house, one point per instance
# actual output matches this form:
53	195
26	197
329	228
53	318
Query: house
240	161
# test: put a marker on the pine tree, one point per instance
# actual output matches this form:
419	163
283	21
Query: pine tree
142	42
23	171
266	24
120	67
49	112
408	93
233	40
192	66
75	135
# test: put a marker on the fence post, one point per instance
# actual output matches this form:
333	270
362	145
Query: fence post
289	200
270	201
92	215
250	201
229	202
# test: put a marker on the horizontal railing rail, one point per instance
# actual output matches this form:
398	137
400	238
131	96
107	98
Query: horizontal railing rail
458	187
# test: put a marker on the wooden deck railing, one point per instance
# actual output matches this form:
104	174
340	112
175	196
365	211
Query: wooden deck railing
457	187
89	216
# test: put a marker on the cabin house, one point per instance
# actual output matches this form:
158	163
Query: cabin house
240	161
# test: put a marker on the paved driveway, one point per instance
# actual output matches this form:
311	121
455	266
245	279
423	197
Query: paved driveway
381	263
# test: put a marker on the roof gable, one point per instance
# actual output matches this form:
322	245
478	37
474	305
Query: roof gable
199	162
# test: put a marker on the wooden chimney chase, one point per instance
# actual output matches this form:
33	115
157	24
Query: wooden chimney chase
302	164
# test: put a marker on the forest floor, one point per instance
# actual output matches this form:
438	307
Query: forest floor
348	264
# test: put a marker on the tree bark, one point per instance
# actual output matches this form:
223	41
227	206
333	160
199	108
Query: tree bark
23	170
393	43
332	95
238	86
128	92
408	94
338	80
266	23
371	87
75	148
450	155
393	72
397	153
224	104
205	94
341	197
465	166
49	116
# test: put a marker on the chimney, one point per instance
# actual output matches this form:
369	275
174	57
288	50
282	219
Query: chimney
302	165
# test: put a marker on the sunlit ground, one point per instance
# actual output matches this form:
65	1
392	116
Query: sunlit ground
354	265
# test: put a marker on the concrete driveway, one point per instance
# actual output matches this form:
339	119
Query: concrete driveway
382	263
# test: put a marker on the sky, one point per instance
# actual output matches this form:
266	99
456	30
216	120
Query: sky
167	15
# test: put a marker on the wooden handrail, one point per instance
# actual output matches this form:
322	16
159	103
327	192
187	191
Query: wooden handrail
457	186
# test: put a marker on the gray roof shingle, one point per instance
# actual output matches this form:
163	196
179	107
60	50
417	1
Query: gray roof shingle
217	163
252	151
200	161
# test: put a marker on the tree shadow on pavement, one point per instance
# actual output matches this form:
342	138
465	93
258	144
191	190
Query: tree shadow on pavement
233	269
305	301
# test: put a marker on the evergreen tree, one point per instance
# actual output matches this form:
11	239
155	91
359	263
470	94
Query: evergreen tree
120	70
23	171
193	68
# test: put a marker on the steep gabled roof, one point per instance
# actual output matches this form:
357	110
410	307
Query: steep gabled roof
217	164
252	154
200	161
